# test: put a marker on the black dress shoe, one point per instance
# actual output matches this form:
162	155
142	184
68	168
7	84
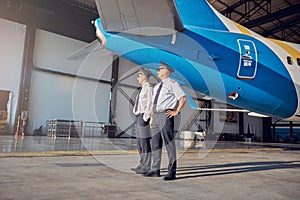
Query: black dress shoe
169	177
152	174
141	171
135	169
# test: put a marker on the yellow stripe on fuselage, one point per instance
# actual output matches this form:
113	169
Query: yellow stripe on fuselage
242	29
292	51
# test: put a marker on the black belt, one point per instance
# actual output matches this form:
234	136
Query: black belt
164	111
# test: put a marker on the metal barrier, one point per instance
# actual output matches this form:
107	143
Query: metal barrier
75	128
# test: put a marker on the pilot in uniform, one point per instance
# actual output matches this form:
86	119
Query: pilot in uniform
142	111
168	101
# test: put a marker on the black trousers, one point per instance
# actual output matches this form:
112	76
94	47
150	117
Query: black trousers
143	142
162	131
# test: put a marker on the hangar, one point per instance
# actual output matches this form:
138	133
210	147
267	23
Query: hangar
61	94
40	40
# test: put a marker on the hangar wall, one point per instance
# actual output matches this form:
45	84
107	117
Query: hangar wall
232	124
67	89
12	39
255	125
225	122
128	83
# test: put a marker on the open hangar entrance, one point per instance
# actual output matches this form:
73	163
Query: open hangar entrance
48	33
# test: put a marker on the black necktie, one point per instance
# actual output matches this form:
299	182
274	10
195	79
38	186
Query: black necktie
156	97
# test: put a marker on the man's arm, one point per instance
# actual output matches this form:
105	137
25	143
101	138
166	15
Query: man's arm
181	104
149	104
151	119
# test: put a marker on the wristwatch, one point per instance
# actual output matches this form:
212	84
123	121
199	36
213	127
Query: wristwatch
177	112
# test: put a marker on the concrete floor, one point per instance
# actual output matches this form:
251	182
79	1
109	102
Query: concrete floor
44	168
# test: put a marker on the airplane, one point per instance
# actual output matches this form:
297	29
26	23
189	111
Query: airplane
210	53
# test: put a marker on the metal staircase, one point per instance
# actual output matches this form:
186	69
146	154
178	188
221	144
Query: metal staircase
194	119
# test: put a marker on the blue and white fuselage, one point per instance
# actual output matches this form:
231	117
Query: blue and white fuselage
222	60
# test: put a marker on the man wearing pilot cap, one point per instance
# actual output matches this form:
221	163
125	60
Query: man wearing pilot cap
144	72
164	65
142	110
168	101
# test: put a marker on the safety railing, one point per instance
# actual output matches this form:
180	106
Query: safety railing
75	128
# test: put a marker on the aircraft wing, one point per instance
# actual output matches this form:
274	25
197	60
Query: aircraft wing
89	48
140	17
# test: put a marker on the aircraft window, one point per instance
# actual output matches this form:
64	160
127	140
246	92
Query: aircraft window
298	61
289	60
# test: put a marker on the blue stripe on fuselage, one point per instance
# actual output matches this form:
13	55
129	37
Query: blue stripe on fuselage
272	82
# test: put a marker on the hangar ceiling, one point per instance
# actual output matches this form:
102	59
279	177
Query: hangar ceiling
279	19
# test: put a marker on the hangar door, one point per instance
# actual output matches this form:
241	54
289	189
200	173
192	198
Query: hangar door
66	89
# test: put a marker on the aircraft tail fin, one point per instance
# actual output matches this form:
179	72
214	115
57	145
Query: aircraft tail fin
143	17
200	13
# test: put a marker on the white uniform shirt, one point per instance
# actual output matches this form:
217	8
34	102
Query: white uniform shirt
145	102
169	95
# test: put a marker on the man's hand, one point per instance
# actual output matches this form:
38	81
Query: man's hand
181	103
150	122
171	113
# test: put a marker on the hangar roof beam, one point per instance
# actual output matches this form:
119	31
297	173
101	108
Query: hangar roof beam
273	16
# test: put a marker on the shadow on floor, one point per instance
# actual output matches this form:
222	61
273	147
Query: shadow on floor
232	168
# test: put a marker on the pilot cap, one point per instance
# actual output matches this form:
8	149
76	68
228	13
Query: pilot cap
144	72
163	65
